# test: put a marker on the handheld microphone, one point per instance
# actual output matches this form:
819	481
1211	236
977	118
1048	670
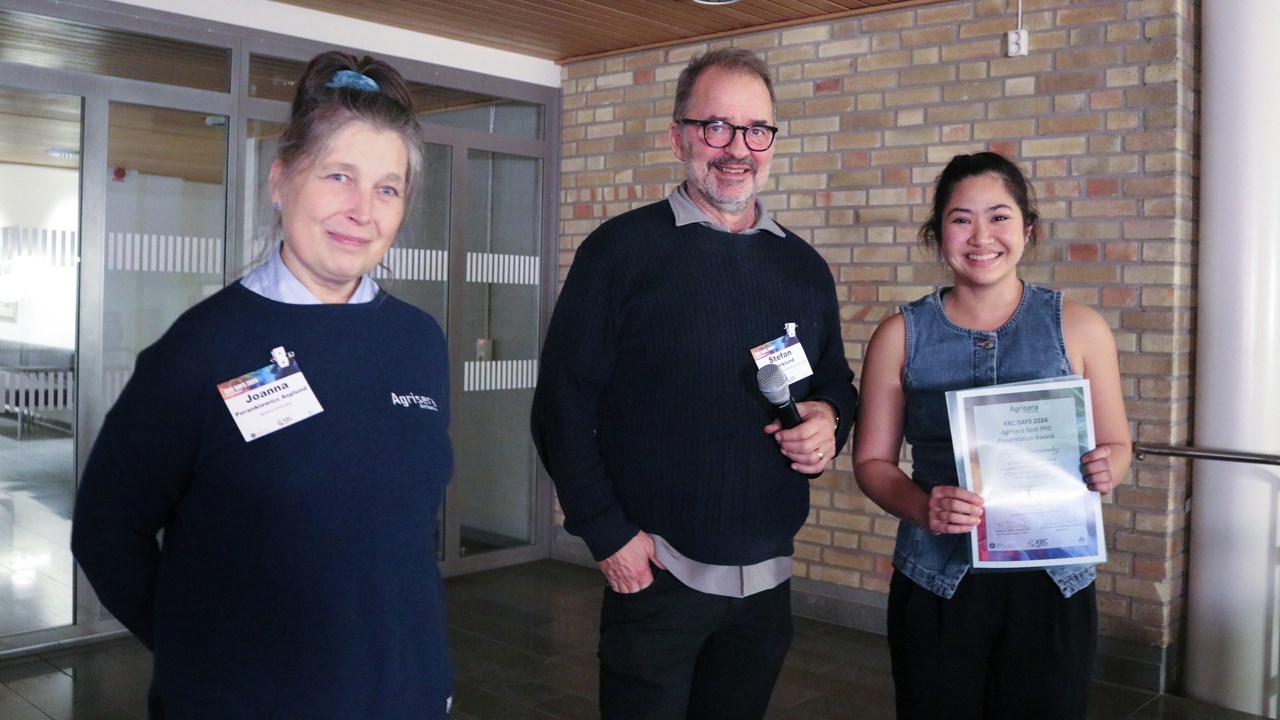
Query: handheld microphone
775	388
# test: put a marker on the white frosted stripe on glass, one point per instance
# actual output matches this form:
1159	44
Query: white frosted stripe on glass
480	376
413	264
56	248
164	253
504	269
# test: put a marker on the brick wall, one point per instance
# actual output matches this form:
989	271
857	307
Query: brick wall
1100	114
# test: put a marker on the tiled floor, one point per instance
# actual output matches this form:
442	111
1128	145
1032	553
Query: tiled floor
37	477
523	642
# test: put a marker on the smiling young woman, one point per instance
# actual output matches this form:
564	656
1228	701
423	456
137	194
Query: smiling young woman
967	645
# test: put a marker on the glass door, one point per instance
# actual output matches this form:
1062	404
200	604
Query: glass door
112	218
496	333
39	220
165	223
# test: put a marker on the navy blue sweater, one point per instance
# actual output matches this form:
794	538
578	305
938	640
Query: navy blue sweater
297	577
647	413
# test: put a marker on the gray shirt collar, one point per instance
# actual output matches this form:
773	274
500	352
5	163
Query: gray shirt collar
687	213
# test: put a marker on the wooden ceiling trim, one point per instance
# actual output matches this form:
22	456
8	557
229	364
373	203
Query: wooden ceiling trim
643	12
574	30
710	37
712	18
810	8
580	19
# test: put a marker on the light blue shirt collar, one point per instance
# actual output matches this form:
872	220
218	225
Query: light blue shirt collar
273	280
687	213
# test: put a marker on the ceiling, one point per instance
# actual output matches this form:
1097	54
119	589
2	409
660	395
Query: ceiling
568	30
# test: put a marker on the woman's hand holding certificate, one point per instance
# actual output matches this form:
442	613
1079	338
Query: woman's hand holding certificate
953	509
1096	466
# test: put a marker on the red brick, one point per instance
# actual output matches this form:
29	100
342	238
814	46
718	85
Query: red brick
1083	253
827	85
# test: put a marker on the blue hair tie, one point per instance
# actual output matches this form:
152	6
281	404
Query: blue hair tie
352	79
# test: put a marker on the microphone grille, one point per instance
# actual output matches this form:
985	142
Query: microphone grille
773	384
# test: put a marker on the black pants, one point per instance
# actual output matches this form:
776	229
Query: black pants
670	652
1006	646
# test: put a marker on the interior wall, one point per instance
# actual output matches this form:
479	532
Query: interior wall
165	206
41	296
50	197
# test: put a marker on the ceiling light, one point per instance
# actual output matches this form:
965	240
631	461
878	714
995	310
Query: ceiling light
715	2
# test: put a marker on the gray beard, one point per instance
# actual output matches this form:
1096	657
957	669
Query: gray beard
728	206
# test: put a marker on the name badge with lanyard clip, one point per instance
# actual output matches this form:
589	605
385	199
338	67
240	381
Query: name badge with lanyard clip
270	398
787	353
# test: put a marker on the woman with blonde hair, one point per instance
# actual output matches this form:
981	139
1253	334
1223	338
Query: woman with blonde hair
289	438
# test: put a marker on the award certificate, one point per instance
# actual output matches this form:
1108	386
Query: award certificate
1019	447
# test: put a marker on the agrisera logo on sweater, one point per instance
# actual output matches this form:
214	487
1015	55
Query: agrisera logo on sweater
414	400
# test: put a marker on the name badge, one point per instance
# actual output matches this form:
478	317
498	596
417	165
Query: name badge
787	353
270	398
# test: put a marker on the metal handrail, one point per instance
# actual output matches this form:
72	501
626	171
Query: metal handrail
1140	452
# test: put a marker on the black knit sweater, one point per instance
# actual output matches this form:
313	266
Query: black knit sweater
647	413
297	577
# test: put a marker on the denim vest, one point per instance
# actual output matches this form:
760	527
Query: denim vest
942	356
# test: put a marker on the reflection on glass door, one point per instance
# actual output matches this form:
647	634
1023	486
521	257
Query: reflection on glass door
260	233
497	332
39	221
166	205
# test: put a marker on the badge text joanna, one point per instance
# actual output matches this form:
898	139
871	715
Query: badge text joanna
269	399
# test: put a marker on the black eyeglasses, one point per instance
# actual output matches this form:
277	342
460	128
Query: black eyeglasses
718	133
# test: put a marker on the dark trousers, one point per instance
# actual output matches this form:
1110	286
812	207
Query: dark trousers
1006	646
670	652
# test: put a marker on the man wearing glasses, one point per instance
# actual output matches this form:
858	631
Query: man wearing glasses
666	459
